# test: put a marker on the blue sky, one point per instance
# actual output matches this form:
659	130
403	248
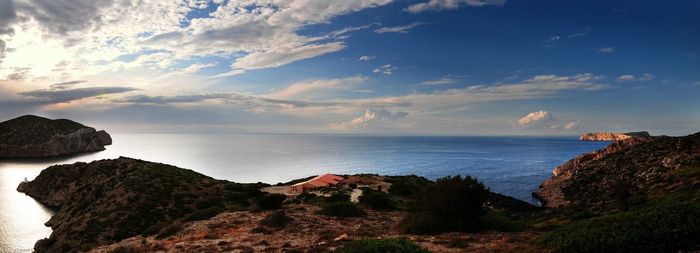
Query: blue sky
455	67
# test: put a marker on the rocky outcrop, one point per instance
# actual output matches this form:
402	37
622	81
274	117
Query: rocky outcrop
33	136
609	136
631	164
105	201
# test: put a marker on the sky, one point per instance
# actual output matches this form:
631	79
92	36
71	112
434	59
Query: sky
385	67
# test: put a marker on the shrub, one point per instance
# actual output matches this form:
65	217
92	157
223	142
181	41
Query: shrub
338	197
342	209
276	219
270	201
352	185
450	204
169	230
204	214
407	185
393	245
658	227
377	200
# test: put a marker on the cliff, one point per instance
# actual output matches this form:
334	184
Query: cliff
609	136
106	201
33	136
628	168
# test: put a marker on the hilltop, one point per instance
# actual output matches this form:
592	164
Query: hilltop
34	136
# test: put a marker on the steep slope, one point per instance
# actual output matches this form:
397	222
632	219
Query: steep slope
33	136
106	201
635	168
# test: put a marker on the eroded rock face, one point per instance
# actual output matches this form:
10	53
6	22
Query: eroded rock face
33	136
609	136
594	177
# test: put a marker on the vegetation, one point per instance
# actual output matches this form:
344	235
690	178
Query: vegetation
270	201
276	219
393	245
342	209
407	185
377	200
338	197
666	226
450	204
169	230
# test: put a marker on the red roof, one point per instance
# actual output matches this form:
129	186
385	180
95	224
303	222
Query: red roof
321	180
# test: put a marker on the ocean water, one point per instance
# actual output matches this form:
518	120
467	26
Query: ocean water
514	166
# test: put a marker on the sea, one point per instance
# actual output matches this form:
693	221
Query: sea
514	166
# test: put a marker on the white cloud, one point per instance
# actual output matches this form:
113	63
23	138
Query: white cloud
398	29
253	34
626	78
630	77
366	58
545	120
442	81
371	116
387	69
605	50
317	88
537	117
437	5
572	125
646	77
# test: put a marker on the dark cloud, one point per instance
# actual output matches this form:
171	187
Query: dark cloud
63	16
18	74
7	16
65	85
247	100
68	95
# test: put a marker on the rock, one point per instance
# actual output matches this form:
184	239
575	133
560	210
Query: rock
635	163
343	237
609	136
34	136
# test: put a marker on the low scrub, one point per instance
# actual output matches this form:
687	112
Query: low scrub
276	219
377	200
658	227
393	245
169	230
270	201
342	209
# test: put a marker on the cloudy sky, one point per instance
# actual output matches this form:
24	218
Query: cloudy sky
426	67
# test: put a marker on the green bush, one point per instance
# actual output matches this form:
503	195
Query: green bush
338	197
270	201
659	227
407	185
276	219
393	245
377	200
450	204
342	209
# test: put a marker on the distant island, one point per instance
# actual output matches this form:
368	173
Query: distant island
610	136
639	194
33	136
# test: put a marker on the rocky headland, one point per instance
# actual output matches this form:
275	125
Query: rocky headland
637	165
33	136
610	136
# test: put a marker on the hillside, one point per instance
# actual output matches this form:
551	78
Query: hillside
109	200
34	136
625	170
